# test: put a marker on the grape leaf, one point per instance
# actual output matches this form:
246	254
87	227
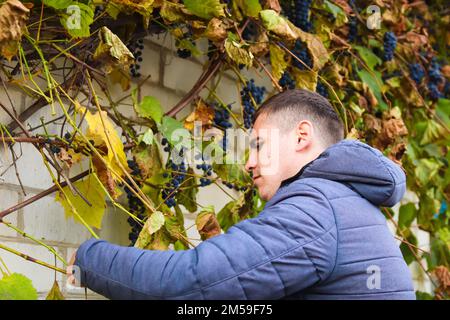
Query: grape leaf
147	137
150	108
111	52
305	79
175	133
17	287
187	197
207	224
13	19
92	190
58	4
105	138
370	58
238	53
277	61
55	293
250	8
77	20
205	9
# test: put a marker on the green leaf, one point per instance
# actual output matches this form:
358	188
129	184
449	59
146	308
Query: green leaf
443	110
370	58
338	13
238	53
147	137
17	287
155	222
275	23
187	197
178	245
407	251
433	132
93	191
188	45
250	8
277	61
55	293
305	79
374	82
58	4
176	133
150	108
77	20
407	214
425	170
205	9
226	217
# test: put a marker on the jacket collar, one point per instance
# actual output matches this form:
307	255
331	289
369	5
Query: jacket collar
298	175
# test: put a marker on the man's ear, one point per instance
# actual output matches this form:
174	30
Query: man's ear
304	133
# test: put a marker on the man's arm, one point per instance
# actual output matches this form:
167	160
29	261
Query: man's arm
287	248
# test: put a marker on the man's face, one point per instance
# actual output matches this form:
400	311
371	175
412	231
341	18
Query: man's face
271	155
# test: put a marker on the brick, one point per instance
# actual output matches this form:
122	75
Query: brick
181	74
30	166
45	219
7	199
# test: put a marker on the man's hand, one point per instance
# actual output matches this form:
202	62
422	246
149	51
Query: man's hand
71	270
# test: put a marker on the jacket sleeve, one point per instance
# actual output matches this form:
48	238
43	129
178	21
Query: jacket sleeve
289	247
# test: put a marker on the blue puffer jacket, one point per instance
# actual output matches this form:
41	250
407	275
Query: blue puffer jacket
322	236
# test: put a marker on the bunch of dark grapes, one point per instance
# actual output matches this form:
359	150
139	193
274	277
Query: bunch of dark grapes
177	176
135	205
322	89
136	48
352	29
250	32
302	53
288	10
207	171
286	81
234	186
247	93
184	53
416	72
166	145
302	14
390	43
222	120
435	78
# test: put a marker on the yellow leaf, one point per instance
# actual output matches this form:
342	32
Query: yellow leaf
92	190
13	18
202	113
105	138
277	61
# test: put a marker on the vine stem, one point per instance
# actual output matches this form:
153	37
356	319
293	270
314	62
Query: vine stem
31	259
410	247
38	196
24	234
201	82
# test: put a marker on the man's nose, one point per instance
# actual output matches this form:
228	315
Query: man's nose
251	162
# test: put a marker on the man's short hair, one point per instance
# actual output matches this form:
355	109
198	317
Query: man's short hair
290	107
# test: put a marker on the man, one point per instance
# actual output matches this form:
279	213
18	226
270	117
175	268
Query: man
321	234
